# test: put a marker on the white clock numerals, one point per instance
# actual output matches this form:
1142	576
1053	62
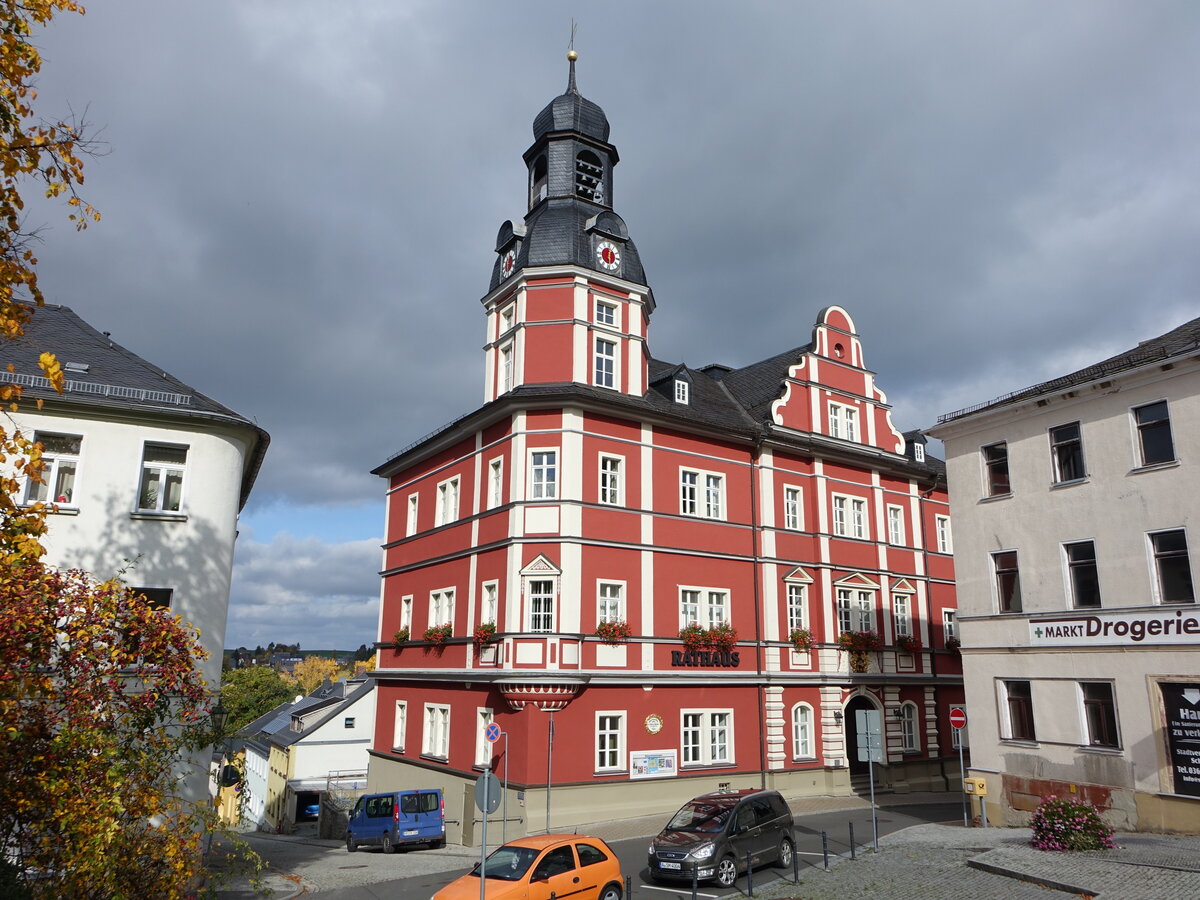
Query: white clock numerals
608	255
509	263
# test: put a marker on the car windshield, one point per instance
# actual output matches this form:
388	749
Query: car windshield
703	817
508	863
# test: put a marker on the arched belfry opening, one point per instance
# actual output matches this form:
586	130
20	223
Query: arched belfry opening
538	181
589	177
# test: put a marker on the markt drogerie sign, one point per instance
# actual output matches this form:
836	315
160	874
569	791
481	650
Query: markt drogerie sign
1155	626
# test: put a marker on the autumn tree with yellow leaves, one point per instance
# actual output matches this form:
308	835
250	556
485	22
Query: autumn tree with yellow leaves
100	697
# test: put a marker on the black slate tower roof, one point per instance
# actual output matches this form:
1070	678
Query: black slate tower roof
570	183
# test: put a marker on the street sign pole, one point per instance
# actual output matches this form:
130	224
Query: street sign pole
869	725
958	721
487	773
504	827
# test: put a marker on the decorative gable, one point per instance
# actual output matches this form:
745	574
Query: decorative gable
798	574
857	580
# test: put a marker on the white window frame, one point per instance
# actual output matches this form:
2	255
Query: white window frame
797	606
610	741
435	736
411	523
506	368
610	601
849	516
495	482
793	507
611	483
483	747
909	740
489	604
803	745
400	725
1141	429
945	538
441	607
706	737
508	315
446	509
919	452
682	393
855	609
949	624
710	606
701	493
406	611
902	615
55	466
541	620
604	367
843	421
543	473
1156	570
166	471
607	314
895	519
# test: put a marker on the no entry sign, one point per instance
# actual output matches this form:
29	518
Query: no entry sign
958	717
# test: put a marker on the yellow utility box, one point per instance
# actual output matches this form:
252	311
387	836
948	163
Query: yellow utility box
976	786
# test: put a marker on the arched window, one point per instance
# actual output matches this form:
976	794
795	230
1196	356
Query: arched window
537	182
908	728
589	177
802	731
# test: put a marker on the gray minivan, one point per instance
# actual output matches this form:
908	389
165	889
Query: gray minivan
712	836
397	818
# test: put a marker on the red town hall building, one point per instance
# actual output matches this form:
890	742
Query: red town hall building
641	571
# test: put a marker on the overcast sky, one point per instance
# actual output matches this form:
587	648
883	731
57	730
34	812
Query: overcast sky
301	198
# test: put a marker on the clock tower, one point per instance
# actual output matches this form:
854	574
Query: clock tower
568	299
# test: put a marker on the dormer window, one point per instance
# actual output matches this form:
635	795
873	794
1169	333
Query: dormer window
589	177
919	452
681	391
537	182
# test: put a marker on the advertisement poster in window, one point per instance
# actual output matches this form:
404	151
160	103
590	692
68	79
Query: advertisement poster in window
653	764
1181	705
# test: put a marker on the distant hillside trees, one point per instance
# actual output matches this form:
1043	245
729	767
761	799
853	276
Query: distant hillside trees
253	691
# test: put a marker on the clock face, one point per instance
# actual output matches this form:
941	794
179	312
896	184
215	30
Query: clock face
654	723
508	263
608	255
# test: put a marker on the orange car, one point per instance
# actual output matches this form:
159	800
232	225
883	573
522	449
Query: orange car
541	867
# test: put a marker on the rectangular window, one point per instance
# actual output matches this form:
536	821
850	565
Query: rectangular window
606	356
507	316
902	615
995	461
161	489
949	625
411	525
944	542
60	461
856	610
155	598
908	728
488	608
1019	699
701	493
895	516
543	478
483	747
610	480
849	516
843	422
447	502
441	607
406	606
541	605
1008	580
1066	449
400	725
495	482
1154	433
606	313
608	602
797	607
705	737
1100	713
705	607
1082	575
506	368
436	740
1172	568
348	722
681	391
791	508
610	736
802	731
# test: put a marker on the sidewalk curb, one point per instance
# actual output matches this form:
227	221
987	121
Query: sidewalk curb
1039	880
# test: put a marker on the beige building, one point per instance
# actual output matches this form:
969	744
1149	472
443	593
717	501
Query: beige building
1075	506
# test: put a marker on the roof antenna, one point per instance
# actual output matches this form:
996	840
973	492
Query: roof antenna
572	56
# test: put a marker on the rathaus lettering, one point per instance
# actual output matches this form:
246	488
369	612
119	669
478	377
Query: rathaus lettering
699	658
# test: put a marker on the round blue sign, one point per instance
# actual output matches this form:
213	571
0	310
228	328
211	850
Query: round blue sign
492	732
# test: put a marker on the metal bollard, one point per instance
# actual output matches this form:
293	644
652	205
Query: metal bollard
749	874
629	887
695	879
825	849
795	865
852	856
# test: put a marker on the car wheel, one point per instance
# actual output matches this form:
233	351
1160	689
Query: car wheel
351	844
388	846
785	853
726	872
610	892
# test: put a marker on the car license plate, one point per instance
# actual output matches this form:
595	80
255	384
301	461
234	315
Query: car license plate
410	832
667	865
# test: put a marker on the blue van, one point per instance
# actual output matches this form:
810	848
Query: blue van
397	818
